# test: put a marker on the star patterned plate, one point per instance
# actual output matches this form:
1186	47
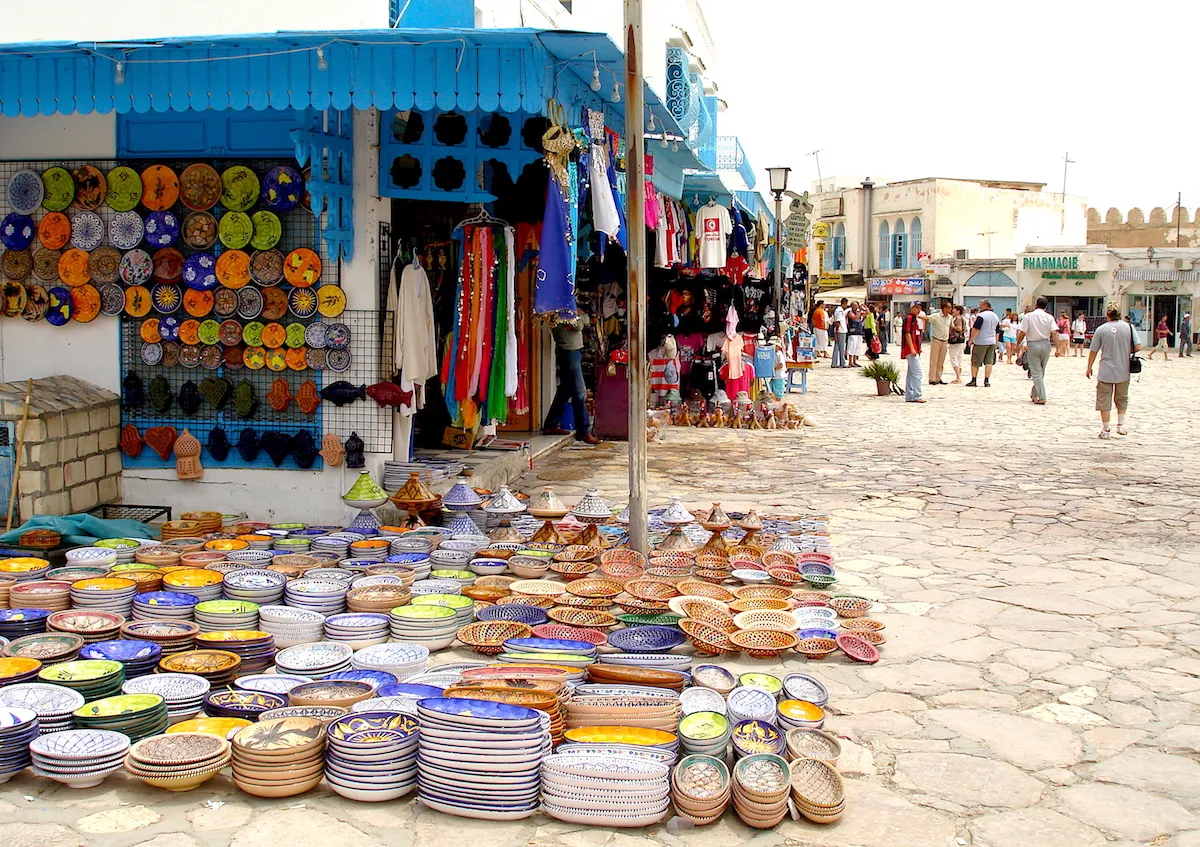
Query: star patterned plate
167	298
125	230
87	230
25	192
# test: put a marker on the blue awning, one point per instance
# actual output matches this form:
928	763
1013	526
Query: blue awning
699	187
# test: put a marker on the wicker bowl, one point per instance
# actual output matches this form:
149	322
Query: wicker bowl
595	588
806	743
779	559
622	564
602	603
483	592
851	607
495	581
861	625
669	572
377	598
810	598
525	600
582	617
706	639
573	570
817	580
759	603
641	607
488	637
745	557
817	785
578	553
651	589
696	588
570	633
766	619
710	615
762	592
763	643
785	576
816	648
713	576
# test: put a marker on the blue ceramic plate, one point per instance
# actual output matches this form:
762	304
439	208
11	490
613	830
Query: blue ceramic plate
550	645
200	272
343	728
402	689
816	633
648	639
161	229
23	614
482	709
282	188
121	651
172	599
407	559
16	231
379	679
531	615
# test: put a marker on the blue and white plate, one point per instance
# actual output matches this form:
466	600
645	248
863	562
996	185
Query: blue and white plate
410	690
16	231
271	683
25	192
478	712
161	229
125	230
200	272
379	679
168	599
549	645
121	651
87	231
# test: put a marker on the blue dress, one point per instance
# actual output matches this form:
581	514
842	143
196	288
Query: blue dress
555	289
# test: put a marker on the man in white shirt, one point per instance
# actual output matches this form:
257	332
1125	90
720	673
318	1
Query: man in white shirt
841	326
939	338
1037	329
983	344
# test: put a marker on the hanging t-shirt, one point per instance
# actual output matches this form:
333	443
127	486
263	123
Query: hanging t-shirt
604	207
690	348
714	227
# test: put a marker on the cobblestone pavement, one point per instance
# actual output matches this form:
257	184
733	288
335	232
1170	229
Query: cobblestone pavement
1040	588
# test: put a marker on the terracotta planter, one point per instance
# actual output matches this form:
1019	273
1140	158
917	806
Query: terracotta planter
882	387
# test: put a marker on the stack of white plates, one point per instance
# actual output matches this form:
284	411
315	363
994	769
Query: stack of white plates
372	755
434	627
443	559
184	692
253	556
700	699
418	562
125	548
435	586
326	596
271	683
480	759
92	557
749	702
660	661
609	790
215	615
109	594
314	660
358	629
79	758
53	704
377	579
291	626
408	544
163	606
337	574
255	586
336	543
400	660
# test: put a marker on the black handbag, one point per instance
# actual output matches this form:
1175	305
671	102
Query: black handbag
1135	364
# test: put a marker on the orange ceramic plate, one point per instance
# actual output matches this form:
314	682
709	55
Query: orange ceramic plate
275	304
85	300
254	358
189	331
160	188
233	268
149	331
302	267
54	231
193	578
137	301
73	267
197	303
331	300
274	335
276	360
296	358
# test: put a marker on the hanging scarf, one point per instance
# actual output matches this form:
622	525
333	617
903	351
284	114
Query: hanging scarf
497	402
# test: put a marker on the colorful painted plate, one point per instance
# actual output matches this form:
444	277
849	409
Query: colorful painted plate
105	264
167	298
273	336
124	189
314	335
338	360
59	310
297	359
200	231
136	267
252	333
59	189
112	299
331	300
160	188
138	301
250	303
14	297
230	333
16	264
73	267
25	192
189	355
267	230
90	187
16	231
233	269
210	332
85	303
168	328
233	357
168	265
211	357
235	230
162	229
302	267
199	271
38	301
197	303
337	336
266	267
282	188
87	231
54	230
199	186
275	304
149	331
295	335
276	360
254	358
170	354
45	263
125	230
316	357
302	302
239	188
225	302
189	331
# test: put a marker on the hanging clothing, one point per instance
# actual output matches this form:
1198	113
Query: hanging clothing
651	196
604	207
555	289
715	227
414	350
739	240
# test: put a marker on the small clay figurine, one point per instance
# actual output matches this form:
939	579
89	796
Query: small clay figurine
354	452
187	457
332	450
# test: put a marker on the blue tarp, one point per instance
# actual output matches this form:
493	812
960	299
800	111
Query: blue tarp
80	529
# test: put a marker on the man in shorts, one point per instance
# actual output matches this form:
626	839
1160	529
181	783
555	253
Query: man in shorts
983	344
1114	341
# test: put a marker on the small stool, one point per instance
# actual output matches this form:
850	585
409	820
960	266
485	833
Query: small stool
803	368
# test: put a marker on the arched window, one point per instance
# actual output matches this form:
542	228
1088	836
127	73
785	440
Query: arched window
914	237
885	247
839	247
899	247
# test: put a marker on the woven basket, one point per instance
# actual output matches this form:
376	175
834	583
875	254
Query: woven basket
851	607
696	588
762	592
571	571
759	603
651	589
571	633
488	637
785	576
711	575
745	557
871	636
525	600
582	617
641	607
810	598
763	643
578	553
601	603
710	615
779	559
817	784
805	743
816	648
595	588
766	619
706	639
496	581
483	592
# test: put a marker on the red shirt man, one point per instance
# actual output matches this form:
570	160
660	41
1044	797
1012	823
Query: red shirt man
911	344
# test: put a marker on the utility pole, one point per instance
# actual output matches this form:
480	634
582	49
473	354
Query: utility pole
1062	221
1178	215
635	215
989	233
816	154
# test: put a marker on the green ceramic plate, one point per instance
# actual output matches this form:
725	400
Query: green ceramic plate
452	574
117	543
454	601
124	189
82	670
126	704
423	612
762	680
226	607
235	230
703	726
252	335
239	188
60	189
210	332
295	335
267	230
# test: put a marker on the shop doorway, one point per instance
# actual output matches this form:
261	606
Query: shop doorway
1168	306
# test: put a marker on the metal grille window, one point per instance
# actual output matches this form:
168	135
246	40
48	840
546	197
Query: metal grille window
838	247
885	247
899	247
914	236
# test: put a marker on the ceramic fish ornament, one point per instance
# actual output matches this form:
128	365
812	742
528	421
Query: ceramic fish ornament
354	452
218	444
341	393
189	398
187	457
245	400
133	390
217	390
277	446
304	450
247	445
389	394
307	398
131	440
332	450
280	394
161	439
160	395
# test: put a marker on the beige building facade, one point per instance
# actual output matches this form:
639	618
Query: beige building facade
1162	228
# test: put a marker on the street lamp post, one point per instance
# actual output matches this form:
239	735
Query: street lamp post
778	182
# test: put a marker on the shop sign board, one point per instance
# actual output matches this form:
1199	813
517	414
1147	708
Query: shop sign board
1068	274
943	289
1051	263
887	286
1162	286
938	269
830	281
831	207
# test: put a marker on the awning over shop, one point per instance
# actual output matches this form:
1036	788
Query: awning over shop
834	295
1157	275
754	203
698	188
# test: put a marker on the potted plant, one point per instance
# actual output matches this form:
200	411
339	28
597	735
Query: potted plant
885	374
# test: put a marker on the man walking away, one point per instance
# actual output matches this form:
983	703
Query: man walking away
1039	331
1115	342
841	327
1185	335
568	354
939	341
983	344
910	350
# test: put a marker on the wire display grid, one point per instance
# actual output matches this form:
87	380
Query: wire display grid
370	362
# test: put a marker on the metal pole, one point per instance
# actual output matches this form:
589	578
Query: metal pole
778	262
635	215
1178	215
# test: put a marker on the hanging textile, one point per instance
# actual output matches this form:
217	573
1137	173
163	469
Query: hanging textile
414	351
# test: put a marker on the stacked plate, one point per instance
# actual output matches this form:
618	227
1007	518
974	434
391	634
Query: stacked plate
271	683
24	569
172	636
163	606
372	755
95	679
557	651
818	792
761	785
400	660
17	670
750	703
700	788
239	703
612	790
418	562
358	629
99	557
326	596
48	648
15	623
91	625
256	557
78	758
48	594
255	647
281	757
338	543
183	692
480	759
255	586
647	639
433	627
180	761
125	548
705	733
219	667
105	593
378	679
341	693
291	626
138	657
314	660
213	615
18	727
136	715
53	704
202	584
663	661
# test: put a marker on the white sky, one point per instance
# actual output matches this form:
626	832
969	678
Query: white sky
902	90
